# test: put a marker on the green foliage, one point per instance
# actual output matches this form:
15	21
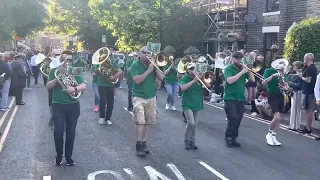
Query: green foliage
303	38
20	18
183	29
72	17
134	22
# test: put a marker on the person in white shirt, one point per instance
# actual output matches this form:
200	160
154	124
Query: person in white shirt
35	68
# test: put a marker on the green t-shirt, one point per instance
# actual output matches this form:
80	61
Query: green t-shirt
94	77
146	89
128	65
79	63
235	91
171	77
273	85
59	96
102	81
192	98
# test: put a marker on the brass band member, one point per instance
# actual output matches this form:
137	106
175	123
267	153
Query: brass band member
275	100
192	104
172	85
235	76
66	111
130	60
95	88
144	98
106	93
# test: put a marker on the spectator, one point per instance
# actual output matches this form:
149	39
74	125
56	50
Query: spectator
4	69
18	78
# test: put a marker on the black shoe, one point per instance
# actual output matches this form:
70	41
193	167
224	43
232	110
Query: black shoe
145	148
305	131
21	103
193	145
58	160
235	143
70	162
187	145
139	149
317	138
229	142
129	109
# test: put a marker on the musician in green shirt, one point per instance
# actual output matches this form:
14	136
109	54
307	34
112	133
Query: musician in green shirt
172	85
65	109
95	88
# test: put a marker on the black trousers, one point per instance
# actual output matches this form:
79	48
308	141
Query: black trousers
106	98
35	72
65	115
234	111
17	92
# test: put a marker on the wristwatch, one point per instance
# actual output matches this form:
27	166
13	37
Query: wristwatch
75	89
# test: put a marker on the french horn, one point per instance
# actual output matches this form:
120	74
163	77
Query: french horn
65	80
45	59
107	70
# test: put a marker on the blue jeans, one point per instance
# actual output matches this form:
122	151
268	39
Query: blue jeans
171	90
96	93
5	94
130	86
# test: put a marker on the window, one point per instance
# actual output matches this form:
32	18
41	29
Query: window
273	5
270	39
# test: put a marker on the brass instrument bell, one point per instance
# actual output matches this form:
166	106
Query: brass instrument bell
162	59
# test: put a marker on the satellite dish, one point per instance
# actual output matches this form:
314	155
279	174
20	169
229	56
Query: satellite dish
250	18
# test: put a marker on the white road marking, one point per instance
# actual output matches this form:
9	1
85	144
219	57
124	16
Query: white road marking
154	174
7	112
6	131
176	171
213	171
131	174
283	127
46	177
92	176
128	111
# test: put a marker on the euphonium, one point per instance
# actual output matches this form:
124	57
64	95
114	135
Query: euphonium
182	66
107	70
45	60
64	79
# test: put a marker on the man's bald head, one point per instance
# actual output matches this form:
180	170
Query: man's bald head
143	49
260	58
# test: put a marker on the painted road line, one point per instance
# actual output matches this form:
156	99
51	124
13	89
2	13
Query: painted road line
46	177
128	111
6	131
213	171
7	112
283	127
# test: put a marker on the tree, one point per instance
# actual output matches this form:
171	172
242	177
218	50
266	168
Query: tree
134	22
183	29
72	17
20	18
303	38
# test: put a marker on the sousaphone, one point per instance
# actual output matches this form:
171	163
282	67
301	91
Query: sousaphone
45	59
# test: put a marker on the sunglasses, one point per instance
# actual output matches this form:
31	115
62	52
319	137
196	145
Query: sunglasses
192	68
145	52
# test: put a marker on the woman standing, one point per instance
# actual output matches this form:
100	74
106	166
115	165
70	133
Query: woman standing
294	81
192	104
171	81
95	88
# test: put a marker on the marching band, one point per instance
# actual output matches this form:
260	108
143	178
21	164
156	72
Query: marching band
189	76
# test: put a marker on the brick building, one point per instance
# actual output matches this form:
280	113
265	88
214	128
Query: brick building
269	20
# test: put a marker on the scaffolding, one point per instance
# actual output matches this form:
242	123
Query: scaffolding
225	26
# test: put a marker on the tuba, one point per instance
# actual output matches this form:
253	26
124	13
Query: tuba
45	59
61	74
280	65
203	68
162	59
107	70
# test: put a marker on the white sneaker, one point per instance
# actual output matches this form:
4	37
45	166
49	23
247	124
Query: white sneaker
275	141
167	106
109	122
254	114
102	121
269	139
173	108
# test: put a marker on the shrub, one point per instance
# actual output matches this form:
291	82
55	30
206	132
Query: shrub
303	38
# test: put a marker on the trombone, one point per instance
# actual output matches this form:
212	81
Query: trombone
182	68
247	62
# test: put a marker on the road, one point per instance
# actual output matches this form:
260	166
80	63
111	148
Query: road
108	152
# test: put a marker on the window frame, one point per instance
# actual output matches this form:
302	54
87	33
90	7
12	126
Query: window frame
272	10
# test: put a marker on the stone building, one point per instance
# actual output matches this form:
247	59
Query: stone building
224	23
269	20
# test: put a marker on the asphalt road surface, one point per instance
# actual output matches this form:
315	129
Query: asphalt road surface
108	152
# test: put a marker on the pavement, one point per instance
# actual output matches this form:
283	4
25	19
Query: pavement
108	152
